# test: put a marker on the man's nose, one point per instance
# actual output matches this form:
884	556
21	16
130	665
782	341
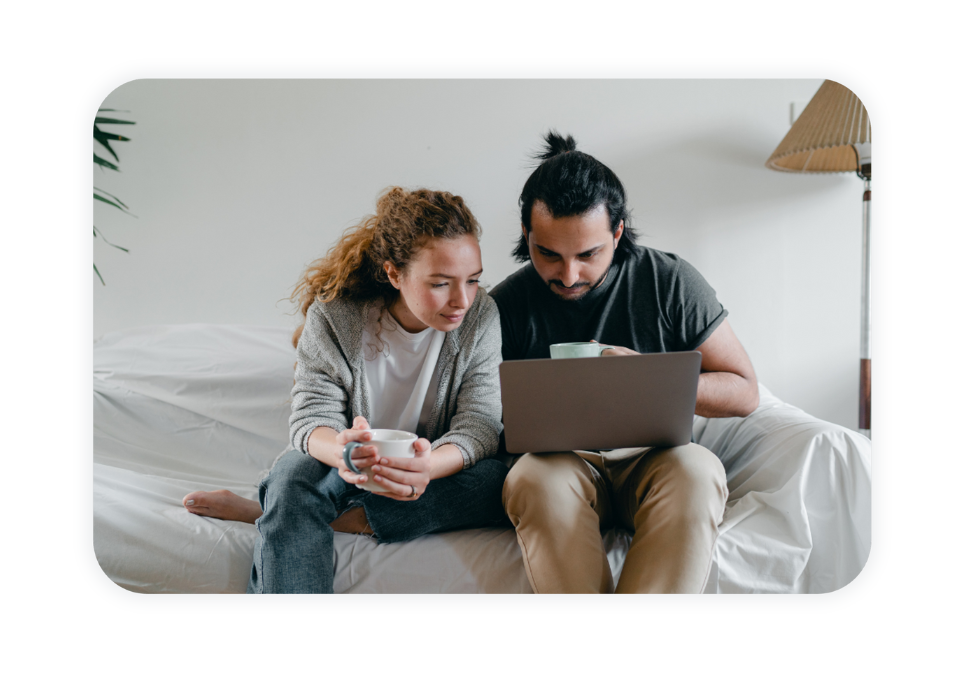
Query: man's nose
571	273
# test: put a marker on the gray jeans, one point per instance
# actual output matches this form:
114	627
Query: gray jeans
301	496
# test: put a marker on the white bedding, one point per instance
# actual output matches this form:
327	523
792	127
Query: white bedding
183	408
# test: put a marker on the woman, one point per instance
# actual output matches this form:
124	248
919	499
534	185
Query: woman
397	335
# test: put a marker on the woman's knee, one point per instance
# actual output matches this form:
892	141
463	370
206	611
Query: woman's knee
297	467
294	474
488	471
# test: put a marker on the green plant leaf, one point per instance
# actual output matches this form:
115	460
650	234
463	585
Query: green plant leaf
105	163
108	201
109	120
103	139
97	233
109	137
112	196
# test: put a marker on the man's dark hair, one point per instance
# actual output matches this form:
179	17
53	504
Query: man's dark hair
571	183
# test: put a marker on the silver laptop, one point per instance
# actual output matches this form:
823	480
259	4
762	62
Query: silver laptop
555	405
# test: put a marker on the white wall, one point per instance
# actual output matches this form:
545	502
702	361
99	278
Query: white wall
238	184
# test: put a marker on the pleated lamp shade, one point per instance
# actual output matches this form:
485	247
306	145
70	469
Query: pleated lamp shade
822	139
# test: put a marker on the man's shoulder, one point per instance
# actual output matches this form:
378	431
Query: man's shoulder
660	262
670	275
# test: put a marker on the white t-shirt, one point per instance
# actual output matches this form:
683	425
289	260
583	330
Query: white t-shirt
399	374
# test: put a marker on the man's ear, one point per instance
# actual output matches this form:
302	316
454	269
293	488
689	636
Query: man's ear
620	231
394	276
525	234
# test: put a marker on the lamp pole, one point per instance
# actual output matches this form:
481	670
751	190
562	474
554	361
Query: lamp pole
863	171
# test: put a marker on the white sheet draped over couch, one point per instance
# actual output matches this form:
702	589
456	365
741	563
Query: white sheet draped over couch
190	407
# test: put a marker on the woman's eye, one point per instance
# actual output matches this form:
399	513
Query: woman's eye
439	285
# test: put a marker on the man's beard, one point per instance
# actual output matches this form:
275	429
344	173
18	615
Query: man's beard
592	286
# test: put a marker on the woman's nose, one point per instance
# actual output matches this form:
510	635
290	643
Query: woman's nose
460	298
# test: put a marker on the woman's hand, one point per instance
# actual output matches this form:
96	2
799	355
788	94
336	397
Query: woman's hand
399	474
363	457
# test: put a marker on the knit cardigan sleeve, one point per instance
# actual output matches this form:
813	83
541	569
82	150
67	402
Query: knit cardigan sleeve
477	421
322	381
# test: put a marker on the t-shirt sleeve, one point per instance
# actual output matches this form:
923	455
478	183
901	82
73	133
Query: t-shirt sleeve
694	309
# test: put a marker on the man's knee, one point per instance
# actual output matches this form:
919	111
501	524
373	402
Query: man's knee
546	480
693	472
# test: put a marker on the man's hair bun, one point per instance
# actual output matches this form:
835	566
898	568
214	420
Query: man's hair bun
556	145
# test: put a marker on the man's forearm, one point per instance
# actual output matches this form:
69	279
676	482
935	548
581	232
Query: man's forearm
726	395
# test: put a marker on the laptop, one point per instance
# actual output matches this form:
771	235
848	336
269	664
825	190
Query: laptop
557	405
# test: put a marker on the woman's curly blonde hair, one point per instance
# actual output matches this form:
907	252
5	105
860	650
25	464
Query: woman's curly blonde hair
405	220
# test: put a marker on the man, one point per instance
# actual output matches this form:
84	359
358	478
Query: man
588	280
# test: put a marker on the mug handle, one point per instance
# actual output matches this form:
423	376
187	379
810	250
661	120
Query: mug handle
604	348
347	456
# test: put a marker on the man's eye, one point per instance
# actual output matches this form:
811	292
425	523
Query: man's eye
473	281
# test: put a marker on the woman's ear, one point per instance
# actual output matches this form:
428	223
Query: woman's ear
393	275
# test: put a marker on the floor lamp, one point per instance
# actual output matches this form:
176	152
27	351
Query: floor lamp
833	135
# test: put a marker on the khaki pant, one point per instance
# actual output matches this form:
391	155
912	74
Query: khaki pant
672	499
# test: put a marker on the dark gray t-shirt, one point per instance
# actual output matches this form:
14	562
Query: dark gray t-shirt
652	302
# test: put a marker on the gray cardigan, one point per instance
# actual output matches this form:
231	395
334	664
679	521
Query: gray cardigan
330	388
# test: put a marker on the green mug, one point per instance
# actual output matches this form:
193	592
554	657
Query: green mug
577	350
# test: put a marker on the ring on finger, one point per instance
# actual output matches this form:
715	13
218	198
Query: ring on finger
414	492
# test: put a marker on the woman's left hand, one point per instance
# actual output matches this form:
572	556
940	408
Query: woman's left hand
398	475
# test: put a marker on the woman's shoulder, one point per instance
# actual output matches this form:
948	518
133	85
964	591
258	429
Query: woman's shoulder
337	310
484	307
481	318
337	320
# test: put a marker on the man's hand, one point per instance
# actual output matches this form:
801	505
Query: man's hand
727	386
618	351
614	350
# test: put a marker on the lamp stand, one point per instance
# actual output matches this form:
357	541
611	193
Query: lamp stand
865	312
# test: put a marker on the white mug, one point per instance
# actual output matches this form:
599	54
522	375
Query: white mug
390	443
577	350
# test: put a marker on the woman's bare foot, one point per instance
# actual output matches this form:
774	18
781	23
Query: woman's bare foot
352	521
222	504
